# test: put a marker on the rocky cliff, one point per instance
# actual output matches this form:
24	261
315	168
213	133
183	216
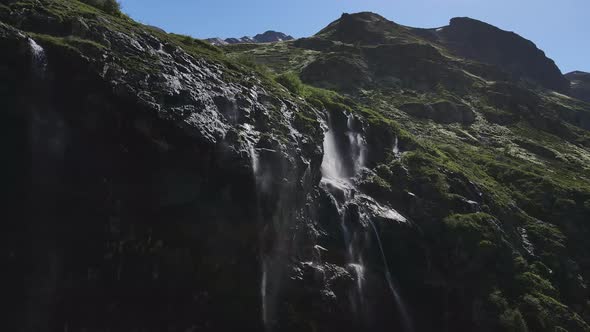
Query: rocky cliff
364	179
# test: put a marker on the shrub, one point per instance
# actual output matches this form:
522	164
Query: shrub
291	81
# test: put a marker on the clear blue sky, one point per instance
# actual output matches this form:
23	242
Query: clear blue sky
559	27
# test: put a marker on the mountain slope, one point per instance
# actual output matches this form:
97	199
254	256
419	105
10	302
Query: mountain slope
365	179
465	37
485	43
580	85
513	150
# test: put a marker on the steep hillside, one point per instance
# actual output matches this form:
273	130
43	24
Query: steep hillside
580	85
464	37
373	177
477	147
480	41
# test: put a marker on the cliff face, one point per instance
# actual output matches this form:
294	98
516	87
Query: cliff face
481	164
159	185
166	187
142	207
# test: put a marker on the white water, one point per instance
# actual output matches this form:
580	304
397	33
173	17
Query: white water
332	165
358	146
39	59
250	138
337	180
406	321
263	295
396	146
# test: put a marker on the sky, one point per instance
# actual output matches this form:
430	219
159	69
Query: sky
561	28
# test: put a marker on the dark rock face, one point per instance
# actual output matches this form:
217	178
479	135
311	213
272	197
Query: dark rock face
483	42
266	37
144	204
160	186
163	196
579	85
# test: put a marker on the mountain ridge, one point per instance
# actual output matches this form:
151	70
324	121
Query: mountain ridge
268	36
466	37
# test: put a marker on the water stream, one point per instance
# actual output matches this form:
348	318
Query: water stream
337	180
396	146
39	59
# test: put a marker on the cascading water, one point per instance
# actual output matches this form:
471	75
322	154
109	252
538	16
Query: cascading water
337	180
406	321
396	146
38	57
250	137
358	149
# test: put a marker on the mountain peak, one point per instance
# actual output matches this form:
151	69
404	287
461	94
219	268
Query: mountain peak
483	42
269	36
363	27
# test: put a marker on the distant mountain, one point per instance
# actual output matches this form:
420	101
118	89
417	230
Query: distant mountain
580	85
266	37
466	37
486	43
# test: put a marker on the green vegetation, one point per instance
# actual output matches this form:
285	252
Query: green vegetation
112	7
523	174
503	203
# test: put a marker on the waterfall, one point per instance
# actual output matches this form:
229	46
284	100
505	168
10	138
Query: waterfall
396	146
263	295
358	146
337	181
401	306
250	138
332	166
38	58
